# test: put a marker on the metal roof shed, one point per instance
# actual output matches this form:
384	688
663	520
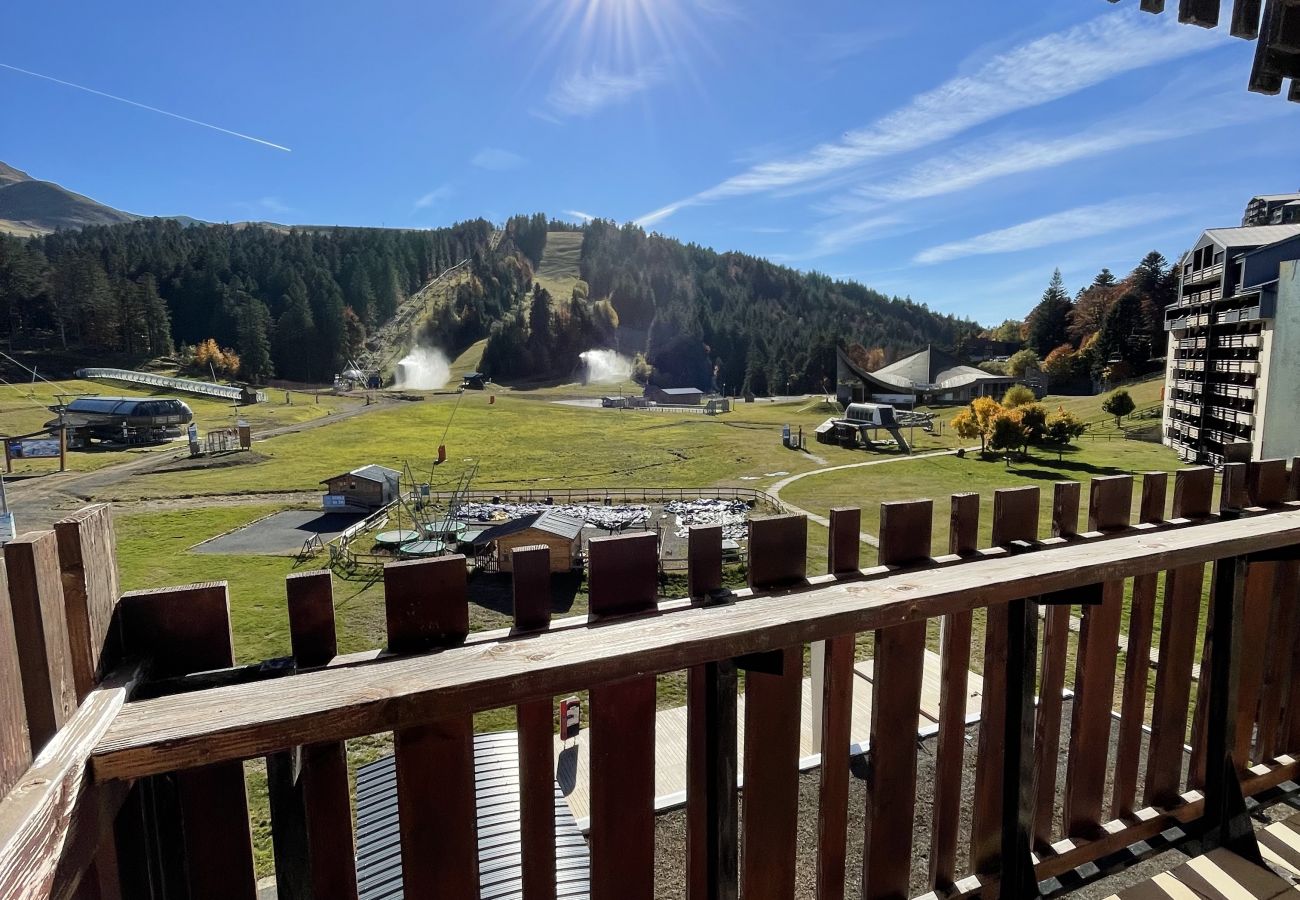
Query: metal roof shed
496	782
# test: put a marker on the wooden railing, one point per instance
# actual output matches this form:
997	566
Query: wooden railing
140	790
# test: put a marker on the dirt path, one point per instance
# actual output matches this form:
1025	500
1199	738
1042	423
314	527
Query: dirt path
40	502
870	540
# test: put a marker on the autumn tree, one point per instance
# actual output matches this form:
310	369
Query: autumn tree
1059	364
1061	428
1017	395
1006	433
1020	361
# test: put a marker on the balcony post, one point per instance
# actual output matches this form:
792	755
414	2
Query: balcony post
1017	877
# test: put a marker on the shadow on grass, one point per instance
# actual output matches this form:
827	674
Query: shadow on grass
495	591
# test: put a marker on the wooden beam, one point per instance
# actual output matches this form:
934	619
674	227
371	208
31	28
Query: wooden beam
1056	636
1015	518
426	606
15	744
1109	507
832	693
623	574
531	582
905	538
769	817
950	749
52	821
41	630
1179	615
182	630
88	562
250	720
1137	661
1204	13
315	799
1245	18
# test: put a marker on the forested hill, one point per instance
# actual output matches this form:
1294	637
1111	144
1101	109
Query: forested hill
705	319
292	303
297	303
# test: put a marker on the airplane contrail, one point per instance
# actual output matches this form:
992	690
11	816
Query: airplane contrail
81	87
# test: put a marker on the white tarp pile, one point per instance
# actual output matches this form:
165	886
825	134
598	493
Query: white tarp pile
730	514
606	518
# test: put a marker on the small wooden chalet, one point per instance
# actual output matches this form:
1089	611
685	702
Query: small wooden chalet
362	490
552	528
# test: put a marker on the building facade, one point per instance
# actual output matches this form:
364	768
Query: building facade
1232	379
1272	209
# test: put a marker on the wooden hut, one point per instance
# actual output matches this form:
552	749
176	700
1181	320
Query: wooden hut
552	528
362	490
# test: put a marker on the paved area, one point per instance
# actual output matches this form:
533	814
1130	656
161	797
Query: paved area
670	738
280	534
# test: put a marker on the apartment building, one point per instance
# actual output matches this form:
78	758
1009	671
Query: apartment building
1272	209
1232	380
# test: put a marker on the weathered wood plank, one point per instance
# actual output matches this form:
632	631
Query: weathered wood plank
1193	489
1204	13
703	744
426	606
1137	661
249	720
1245	18
183	630
769	816
622	582
1015	518
88	564
833	716
905	538
321	794
52	821
778	568
1109	506
41	631
15	744
950	749
1281	649
1056	636
531	567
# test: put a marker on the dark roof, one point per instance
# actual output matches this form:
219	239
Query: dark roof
551	521
680	392
127	406
371	472
496	789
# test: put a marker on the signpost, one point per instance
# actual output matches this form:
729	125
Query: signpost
39	445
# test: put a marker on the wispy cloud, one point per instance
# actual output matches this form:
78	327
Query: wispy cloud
1057	228
835	237
585	93
495	159
975	163
579	215
434	197
1048	68
833	47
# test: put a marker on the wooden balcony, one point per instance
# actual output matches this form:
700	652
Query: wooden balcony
140	725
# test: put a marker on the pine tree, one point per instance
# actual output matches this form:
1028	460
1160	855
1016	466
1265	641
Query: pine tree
1050	319
254	328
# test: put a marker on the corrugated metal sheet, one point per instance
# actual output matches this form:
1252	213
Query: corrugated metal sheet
496	780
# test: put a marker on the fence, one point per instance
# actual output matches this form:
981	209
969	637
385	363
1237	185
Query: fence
615	495
153	754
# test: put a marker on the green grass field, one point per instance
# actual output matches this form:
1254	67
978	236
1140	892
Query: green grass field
558	271
25	409
524	439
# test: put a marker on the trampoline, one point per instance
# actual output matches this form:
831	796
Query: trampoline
423	548
396	538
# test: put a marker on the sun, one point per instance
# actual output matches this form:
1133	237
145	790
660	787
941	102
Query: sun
622	33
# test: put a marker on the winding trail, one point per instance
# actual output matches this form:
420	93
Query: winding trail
870	540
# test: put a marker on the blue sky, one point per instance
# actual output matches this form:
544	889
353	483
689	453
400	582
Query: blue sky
955	152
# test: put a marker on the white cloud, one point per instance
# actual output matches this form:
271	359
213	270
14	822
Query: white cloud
581	94
579	215
1068	225
434	197
495	159
1048	68
835	237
